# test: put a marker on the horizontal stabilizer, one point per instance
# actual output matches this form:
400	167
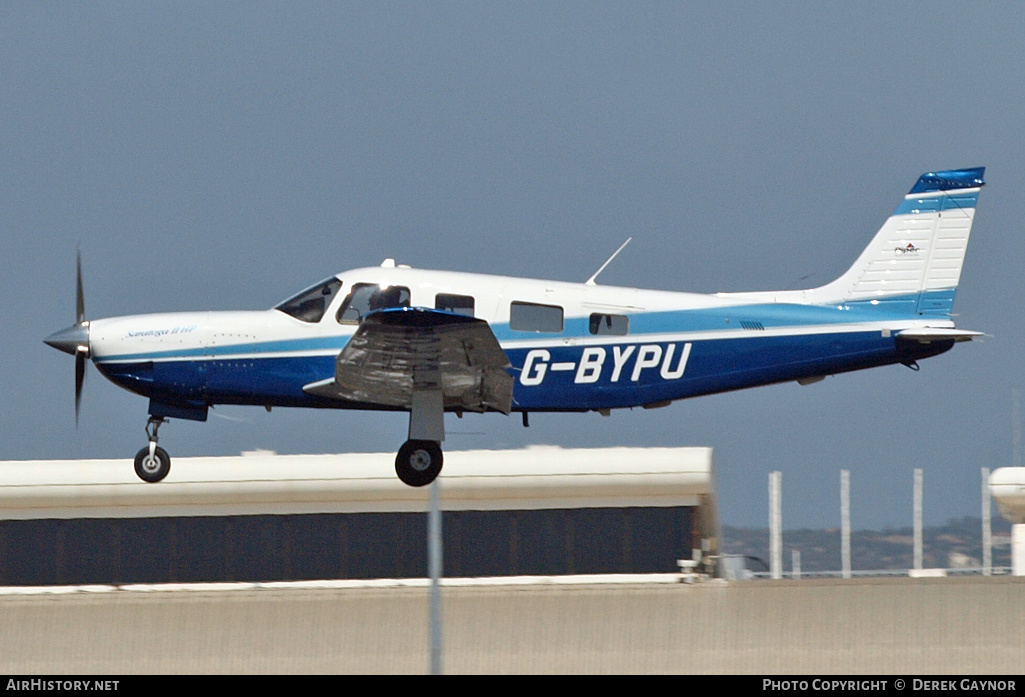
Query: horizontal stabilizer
927	335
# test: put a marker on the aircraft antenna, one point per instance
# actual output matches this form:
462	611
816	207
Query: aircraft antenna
590	281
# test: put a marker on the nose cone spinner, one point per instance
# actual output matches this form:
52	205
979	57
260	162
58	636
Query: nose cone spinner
73	339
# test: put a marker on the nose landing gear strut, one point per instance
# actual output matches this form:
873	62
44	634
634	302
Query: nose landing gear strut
152	463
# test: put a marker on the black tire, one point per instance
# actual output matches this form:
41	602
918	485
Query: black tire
155	469
418	462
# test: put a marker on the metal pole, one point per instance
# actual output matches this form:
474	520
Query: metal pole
1016	427
1018	549
987	529
775	526
845	523
918	519
1018	529
434	567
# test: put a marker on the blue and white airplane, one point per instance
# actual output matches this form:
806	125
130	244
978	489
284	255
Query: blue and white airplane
429	342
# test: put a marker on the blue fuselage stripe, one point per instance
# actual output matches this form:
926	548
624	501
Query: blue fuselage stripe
554	378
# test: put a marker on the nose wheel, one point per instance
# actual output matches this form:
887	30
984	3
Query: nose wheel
152	463
418	462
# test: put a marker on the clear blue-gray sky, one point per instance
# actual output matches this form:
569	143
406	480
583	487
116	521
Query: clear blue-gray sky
225	155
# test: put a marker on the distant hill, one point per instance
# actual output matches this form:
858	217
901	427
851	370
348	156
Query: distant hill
958	544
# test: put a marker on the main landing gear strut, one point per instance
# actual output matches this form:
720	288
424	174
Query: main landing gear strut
152	463
419	460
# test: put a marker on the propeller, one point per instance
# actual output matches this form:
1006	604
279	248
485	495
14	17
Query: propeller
75	339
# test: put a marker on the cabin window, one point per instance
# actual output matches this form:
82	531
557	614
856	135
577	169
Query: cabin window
531	317
459	304
366	297
311	304
616	325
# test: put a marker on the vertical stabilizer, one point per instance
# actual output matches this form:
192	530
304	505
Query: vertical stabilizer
913	264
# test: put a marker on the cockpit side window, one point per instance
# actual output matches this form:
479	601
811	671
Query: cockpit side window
311	304
366	297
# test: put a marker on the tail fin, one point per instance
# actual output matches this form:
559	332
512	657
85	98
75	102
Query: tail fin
913	264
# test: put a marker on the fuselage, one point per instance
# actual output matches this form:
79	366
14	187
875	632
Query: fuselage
396	338
571	346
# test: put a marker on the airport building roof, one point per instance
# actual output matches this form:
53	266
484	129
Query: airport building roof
260	483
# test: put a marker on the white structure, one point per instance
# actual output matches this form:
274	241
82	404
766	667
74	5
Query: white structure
1007	486
776	524
536	511
845	523
538	477
918	520
987	526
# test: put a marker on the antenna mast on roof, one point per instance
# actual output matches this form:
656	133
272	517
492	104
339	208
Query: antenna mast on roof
590	281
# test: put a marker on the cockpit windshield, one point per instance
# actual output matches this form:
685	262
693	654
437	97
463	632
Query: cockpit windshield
311	304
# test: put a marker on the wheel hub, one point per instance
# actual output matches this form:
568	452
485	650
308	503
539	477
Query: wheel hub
420	460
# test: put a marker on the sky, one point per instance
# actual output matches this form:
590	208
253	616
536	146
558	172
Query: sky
226	155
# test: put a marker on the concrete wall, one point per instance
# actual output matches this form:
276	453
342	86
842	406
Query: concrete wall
874	626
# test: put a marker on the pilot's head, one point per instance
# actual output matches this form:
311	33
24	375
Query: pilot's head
385	297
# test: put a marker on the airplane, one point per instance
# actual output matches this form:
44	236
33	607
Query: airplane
429	342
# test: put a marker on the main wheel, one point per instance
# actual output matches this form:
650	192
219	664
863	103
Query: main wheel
152	468
418	462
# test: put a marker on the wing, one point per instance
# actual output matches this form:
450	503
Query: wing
398	351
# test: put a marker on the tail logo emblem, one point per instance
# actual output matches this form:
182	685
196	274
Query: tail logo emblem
909	249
